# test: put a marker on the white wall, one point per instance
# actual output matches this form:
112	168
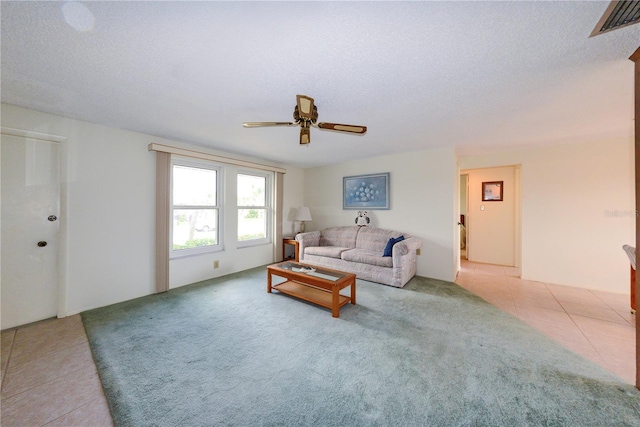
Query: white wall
463	193
108	215
423	189
294	198
578	209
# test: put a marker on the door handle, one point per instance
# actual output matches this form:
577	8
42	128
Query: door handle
52	218
42	244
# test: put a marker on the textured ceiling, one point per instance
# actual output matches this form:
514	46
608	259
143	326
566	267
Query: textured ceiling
473	75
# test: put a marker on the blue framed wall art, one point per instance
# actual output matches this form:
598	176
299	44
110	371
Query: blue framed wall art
366	191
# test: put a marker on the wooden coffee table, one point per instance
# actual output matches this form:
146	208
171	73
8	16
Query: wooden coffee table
321	286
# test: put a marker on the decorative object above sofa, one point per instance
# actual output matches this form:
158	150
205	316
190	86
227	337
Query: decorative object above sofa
362	219
361	250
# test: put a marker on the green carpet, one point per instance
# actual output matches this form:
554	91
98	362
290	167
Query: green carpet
224	352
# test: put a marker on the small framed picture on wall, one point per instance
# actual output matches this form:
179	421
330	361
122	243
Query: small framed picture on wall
492	191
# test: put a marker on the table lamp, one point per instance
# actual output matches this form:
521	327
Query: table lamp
303	215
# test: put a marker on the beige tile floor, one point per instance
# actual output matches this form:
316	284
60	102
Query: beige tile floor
598	325
49	378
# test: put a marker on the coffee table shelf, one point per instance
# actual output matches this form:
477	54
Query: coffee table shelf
312	294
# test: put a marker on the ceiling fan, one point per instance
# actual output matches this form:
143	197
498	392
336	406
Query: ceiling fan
305	115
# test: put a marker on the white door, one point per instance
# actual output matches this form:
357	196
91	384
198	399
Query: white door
30	173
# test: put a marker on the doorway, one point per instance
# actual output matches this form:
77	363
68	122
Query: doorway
492	224
30	199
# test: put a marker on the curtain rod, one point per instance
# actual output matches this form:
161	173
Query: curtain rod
31	135
206	156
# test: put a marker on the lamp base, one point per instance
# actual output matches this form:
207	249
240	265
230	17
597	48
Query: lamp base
301	226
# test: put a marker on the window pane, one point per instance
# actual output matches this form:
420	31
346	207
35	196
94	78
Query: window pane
194	186
251	190
193	228
252	224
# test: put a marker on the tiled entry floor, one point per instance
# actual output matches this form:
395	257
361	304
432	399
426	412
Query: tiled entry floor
49	378
598	325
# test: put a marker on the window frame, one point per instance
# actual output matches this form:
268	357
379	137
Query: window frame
268	207
219	206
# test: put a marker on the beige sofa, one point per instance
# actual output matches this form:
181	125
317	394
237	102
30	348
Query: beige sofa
360	250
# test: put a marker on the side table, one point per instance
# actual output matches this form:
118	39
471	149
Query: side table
290	241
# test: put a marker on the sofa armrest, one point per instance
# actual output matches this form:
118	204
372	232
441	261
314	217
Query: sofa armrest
312	238
406	246
304	240
405	260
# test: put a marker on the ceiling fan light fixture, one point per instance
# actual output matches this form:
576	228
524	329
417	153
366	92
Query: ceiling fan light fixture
305	136
305	133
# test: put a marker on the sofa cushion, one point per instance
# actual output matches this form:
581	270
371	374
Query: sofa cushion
327	251
366	257
344	237
374	239
390	244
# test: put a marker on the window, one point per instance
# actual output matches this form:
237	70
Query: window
196	207
254	208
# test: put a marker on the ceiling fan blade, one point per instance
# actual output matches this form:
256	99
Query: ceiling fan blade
262	124
305	106
342	128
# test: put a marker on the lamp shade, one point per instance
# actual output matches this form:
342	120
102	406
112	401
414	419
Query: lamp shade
303	214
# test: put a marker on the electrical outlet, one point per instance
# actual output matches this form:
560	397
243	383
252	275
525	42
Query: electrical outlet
216	264
418	251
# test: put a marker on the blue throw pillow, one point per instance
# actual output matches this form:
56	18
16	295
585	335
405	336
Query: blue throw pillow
390	243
